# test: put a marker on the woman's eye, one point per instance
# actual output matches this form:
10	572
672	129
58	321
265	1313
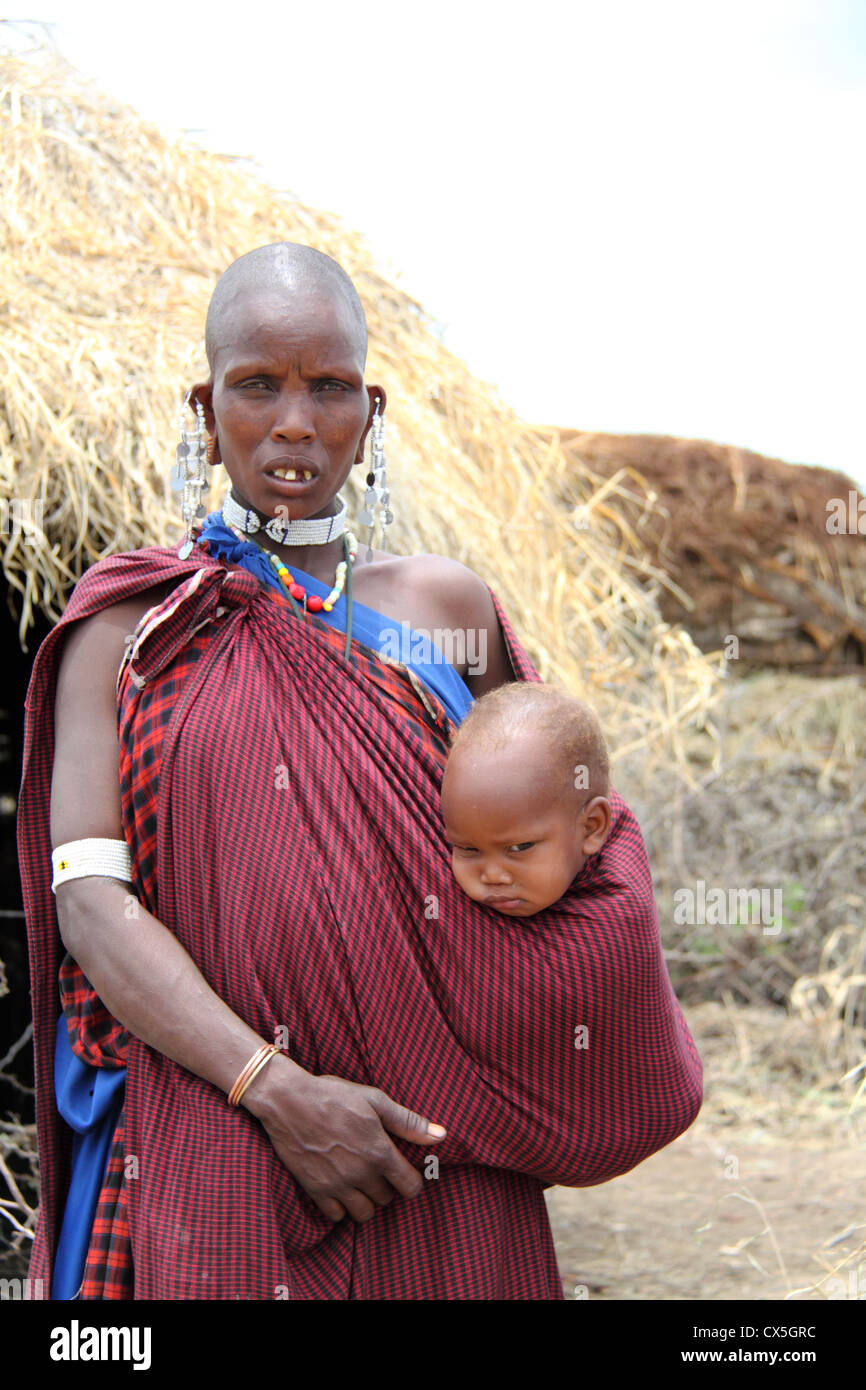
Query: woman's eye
333	386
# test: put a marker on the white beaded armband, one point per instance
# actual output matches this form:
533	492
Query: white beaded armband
86	858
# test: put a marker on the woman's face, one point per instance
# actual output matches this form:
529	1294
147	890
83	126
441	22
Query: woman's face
287	397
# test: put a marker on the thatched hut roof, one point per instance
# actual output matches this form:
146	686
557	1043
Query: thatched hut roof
113	237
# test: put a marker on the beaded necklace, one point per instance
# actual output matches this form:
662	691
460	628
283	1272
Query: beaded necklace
296	593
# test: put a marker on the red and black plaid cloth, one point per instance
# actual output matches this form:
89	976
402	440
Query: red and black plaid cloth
281	806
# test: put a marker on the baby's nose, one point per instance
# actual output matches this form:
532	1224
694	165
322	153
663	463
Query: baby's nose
495	873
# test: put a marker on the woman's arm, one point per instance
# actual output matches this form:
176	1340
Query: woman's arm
476	610
329	1133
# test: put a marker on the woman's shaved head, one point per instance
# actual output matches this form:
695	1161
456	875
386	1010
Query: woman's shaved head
285	269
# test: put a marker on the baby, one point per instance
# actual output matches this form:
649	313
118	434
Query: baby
524	796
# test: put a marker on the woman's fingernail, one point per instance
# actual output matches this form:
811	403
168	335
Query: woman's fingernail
437	1130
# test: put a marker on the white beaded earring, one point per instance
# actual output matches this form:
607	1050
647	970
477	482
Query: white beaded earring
377	500
189	474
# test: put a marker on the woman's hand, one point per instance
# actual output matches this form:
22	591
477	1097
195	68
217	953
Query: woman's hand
331	1135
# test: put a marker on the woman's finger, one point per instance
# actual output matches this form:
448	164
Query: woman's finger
379	1190
359	1207
330	1207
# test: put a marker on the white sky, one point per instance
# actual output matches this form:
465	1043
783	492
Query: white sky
629	215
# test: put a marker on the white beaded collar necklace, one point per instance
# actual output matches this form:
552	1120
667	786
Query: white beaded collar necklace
317	531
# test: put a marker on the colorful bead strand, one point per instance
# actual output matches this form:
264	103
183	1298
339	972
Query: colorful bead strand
312	602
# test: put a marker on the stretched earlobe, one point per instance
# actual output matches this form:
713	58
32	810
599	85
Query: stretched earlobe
202	393
378	402
377	499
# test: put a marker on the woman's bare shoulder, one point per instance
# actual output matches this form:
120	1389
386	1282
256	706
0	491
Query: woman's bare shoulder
454	578
464	603
96	643
442	568
436	587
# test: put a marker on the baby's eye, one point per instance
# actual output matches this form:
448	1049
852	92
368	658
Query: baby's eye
526	845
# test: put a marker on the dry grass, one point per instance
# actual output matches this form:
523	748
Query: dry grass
779	803
775	1074
19	1169
113	237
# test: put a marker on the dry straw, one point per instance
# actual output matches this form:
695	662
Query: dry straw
113	238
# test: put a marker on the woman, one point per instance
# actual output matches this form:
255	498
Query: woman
277	792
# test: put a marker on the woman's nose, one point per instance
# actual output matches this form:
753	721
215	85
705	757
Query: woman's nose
293	418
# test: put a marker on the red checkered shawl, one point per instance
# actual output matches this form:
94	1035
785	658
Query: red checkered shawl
282	811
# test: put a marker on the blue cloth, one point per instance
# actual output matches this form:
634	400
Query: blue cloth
90	1098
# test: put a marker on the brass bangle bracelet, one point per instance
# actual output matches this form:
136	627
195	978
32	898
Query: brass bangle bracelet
245	1071
272	1052
262	1055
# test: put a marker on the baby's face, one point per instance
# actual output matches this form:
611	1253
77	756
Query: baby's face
516	841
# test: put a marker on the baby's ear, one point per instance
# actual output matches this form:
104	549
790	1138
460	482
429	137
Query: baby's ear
596	824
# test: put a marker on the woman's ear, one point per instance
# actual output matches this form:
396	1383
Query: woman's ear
203	393
374	393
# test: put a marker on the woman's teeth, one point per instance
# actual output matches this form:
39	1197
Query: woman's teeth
292	475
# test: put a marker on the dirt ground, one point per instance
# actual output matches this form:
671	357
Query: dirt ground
763	1201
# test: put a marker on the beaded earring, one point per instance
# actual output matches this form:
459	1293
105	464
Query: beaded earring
377	499
188	474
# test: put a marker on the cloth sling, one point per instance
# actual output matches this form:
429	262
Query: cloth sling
281	809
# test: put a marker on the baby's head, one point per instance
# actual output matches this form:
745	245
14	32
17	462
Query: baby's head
524	796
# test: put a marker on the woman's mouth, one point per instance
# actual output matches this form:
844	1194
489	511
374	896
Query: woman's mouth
289	482
291	475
